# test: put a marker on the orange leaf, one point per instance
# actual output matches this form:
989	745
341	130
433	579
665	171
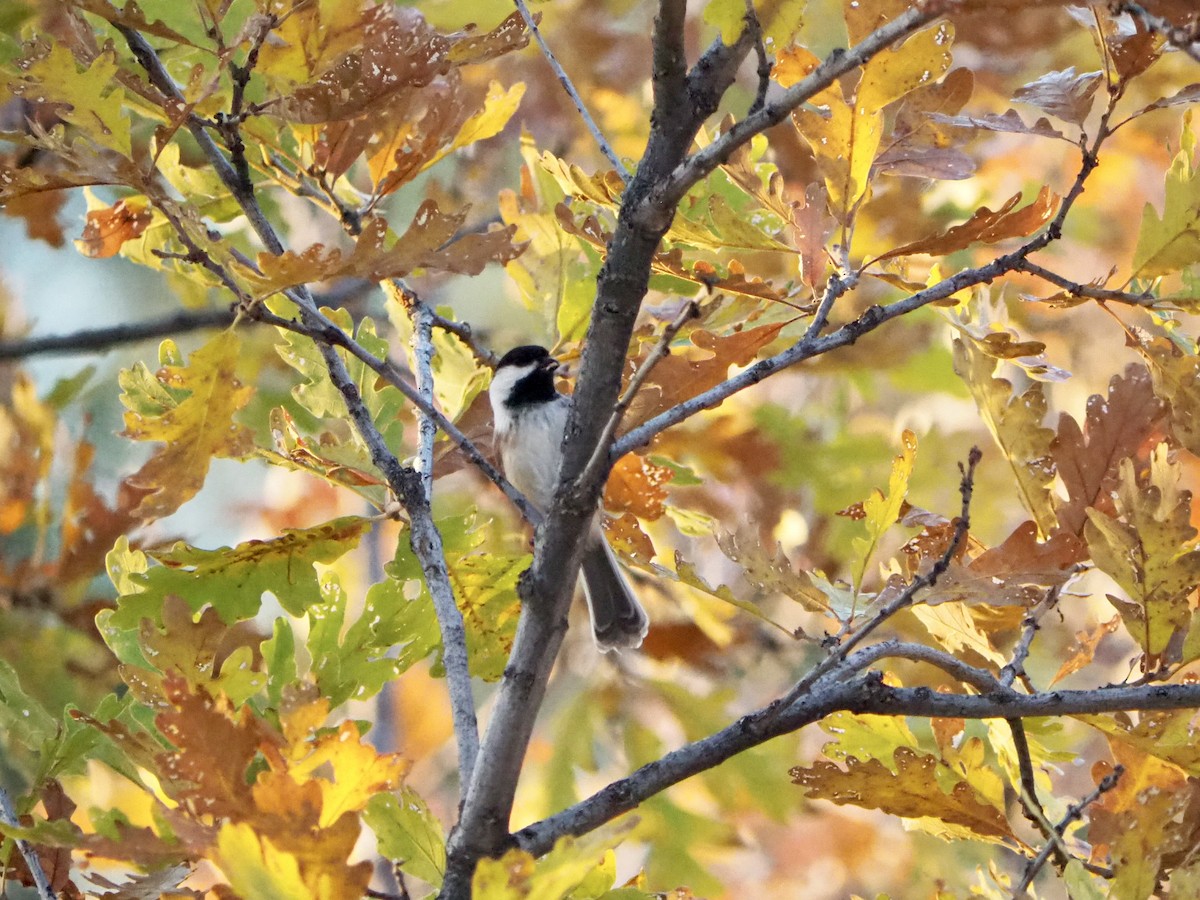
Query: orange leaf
107	229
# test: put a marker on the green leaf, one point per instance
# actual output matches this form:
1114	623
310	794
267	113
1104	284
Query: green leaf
357	665
279	656
231	580
1016	425
408	834
1172	242
22	717
576	868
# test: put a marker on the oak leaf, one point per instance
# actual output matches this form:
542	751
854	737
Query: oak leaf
108	228
190	408
1171	242
912	791
1149	549
1122	425
986	226
1063	94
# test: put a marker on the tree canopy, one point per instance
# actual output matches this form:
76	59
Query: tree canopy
880	322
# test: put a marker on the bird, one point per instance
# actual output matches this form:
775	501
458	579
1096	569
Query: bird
530	419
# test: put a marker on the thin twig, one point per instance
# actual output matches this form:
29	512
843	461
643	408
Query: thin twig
764	63
1090	291
834	288
690	310
1074	813
565	81
450	619
838	656
812	345
8	816
1015	668
97	340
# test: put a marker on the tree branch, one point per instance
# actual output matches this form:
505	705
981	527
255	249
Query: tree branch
1074	813
404	481
812	344
450	619
565	81
772	113
1090	291
28	852
97	340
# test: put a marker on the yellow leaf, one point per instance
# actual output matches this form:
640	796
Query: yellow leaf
912	791
189	408
355	772
880	511
255	869
779	19
498	107
96	106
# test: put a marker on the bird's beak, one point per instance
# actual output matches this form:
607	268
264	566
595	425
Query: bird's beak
551	365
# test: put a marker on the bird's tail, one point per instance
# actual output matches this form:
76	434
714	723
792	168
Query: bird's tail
618	620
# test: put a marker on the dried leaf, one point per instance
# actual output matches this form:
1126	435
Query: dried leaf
986	226
430	242
1063	94
1009	122
638	486
1083	650
683	374
1120	426
392	51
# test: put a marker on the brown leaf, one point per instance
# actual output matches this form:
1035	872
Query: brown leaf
40	211
213	748
920	146
683	375
396	52
1063	94
1127	423
1009	122
107	229
987	227
813	225
628	539
429	242
472	47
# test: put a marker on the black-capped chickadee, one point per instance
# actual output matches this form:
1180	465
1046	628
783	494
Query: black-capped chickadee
531	416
